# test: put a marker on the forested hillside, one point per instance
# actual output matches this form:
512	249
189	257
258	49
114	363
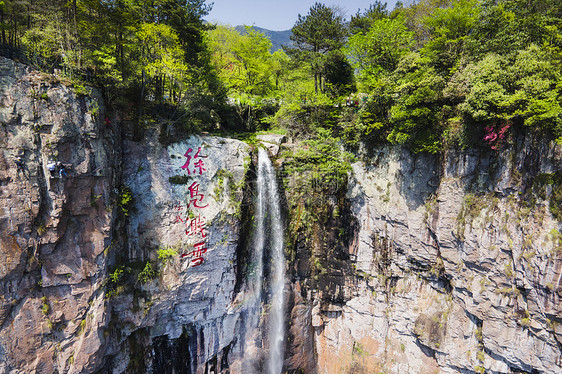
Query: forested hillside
430	74
279	39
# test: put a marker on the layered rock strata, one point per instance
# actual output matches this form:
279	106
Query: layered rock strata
456	265
54	228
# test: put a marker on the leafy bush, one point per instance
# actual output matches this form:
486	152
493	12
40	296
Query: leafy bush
81	90
415	115
166	254
45	308
147	274
321	159
117	274
522	89
126	200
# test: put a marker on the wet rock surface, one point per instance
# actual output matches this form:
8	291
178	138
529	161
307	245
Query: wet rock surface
272	142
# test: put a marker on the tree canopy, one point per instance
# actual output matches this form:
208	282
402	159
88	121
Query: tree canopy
317	38
429	74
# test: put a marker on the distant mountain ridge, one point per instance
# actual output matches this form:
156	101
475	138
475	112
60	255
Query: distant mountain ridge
278	38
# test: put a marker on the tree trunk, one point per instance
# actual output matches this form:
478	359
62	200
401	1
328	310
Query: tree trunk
29	6
141	100
3	31
74	18
316	83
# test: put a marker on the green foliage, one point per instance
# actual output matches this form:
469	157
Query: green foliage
41	229
179	179
135	49
147	274
160	53
117	274
126	200
506	26
244	62
166	254
523	89
45	308
94	198
314	36
437	73
82	327
415	115
379	48
312	172
321	159
251	74
339	75
82	90
449	27
362	22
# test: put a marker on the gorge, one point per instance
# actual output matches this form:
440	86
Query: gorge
190	257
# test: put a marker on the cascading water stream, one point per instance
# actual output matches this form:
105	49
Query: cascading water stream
268	236
277	310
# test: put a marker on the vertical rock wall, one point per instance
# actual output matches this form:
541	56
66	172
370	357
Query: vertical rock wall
455	267
53	230
192	304
76	292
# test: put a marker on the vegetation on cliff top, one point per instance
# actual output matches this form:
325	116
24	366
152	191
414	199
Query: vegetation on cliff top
431	75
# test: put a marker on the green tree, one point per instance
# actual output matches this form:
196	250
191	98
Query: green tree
416	113
522	90
244	62
279	66
449	27
415	16
506	26
186	18
379	49
159	57
339	74
254	57
362	22
315	35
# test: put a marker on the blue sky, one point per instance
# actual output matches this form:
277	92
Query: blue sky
275	14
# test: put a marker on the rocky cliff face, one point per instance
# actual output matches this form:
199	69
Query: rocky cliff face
138	260
129	262
184	224
455	266
53	230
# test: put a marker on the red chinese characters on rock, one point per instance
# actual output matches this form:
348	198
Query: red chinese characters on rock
196	254
195	227
195	197
178	208
197	164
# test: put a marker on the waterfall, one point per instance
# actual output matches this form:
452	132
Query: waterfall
269	237
277	310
